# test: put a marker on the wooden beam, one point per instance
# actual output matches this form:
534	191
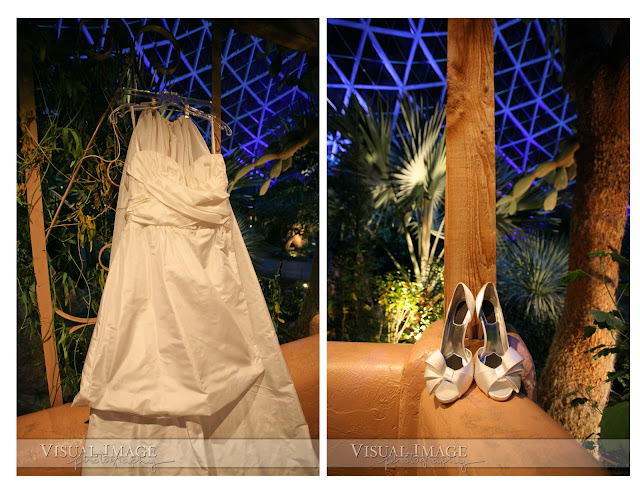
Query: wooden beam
298	34
470	197
216	86
36	228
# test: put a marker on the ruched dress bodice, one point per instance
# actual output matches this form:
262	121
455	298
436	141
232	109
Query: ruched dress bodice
173	335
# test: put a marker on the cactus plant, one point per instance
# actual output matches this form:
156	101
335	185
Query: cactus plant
558	173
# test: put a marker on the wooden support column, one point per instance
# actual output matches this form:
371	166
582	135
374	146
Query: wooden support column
216	85
36	228
470	197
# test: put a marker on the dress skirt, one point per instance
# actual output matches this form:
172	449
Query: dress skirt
184	373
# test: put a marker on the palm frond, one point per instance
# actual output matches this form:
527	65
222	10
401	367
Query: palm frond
421	154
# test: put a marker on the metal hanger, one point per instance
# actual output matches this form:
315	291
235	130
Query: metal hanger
162	100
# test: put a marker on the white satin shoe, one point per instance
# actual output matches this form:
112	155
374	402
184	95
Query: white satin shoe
449	371
498	368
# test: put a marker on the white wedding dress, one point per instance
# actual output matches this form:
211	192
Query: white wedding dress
184	355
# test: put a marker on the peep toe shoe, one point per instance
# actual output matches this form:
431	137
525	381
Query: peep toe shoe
449	371
498	368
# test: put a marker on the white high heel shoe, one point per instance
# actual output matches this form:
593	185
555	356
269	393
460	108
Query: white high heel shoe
498	367
449	371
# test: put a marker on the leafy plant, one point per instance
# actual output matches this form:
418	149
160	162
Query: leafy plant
403	169
79	219
408	307
284	64
528	215
351	314
293	136
288	216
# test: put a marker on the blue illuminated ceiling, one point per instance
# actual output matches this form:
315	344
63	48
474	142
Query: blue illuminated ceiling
387	57
253	103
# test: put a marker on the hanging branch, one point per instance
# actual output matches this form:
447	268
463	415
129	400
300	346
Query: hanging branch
84	156
306	136
74	175
159	68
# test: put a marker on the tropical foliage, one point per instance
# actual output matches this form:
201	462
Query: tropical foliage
352	312
394	177
408	308
404	169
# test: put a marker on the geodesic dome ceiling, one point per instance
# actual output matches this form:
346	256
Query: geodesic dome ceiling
388	57
253	103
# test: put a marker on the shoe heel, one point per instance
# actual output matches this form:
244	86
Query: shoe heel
498	367
449	370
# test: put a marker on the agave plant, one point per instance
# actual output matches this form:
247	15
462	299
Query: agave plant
530	274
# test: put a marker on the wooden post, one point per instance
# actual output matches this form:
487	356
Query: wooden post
216	85
36	228
470	197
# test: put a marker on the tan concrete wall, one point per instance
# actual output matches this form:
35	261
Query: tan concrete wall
377	390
